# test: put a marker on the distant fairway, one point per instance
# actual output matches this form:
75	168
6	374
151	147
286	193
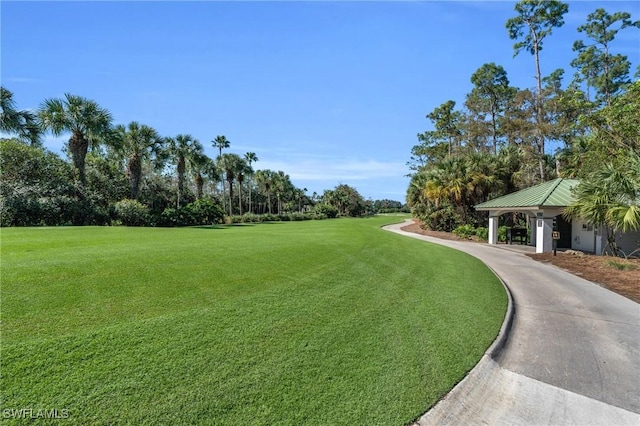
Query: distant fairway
320	322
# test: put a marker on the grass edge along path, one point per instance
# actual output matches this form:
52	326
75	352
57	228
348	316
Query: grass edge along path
331	322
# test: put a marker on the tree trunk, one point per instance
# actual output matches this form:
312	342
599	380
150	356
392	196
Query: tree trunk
268	190
539	118
494	130
607	95
199	185
79	146
230	182
135	175
240	196
181	170
224	199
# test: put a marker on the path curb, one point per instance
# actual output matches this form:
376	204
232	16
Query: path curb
540	368
486	361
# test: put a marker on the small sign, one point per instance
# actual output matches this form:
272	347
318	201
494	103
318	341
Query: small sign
555	235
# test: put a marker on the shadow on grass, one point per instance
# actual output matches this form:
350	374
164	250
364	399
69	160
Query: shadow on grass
231	225
210	227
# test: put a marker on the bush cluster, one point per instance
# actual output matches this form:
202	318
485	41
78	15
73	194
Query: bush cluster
502	233
200	212
326	210
467	231
440	219
270	217
131	213
394	210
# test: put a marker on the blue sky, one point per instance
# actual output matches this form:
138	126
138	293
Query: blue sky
328	92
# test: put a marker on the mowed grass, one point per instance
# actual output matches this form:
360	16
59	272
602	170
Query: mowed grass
321	322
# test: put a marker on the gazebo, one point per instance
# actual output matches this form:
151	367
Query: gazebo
541	204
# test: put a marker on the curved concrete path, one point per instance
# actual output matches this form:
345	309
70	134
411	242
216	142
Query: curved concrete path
571	355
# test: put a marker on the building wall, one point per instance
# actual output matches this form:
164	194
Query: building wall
582	235
629	242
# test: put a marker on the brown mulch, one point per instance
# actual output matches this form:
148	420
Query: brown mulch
603	270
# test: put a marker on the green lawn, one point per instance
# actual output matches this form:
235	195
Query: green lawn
321	322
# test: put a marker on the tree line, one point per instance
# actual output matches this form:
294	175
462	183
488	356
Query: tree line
131	175
498	141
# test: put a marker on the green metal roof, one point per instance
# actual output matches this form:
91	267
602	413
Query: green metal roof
555	193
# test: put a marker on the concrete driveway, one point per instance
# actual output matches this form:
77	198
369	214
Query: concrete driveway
571	355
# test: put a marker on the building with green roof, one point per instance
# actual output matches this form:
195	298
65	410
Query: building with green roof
550	195
543	205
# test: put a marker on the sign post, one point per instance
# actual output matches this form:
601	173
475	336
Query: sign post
555	235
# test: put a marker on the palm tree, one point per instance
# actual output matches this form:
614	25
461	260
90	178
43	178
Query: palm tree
243	170
23	123
221	143
460	182
203	166
184	149
250	158
281	185
137	143
300	194
87	122
231	164
265	178
416	197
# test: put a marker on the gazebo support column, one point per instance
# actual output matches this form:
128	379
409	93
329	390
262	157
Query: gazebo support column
544	227
493	229
533	227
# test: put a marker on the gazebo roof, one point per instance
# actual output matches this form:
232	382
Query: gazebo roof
554	193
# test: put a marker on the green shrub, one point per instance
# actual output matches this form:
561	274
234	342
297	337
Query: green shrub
252	218
482	233
464	231
131	213
502	233
298	216
621	265
175	217
205	212
269	217
199	212
326	209
444	218
229	220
